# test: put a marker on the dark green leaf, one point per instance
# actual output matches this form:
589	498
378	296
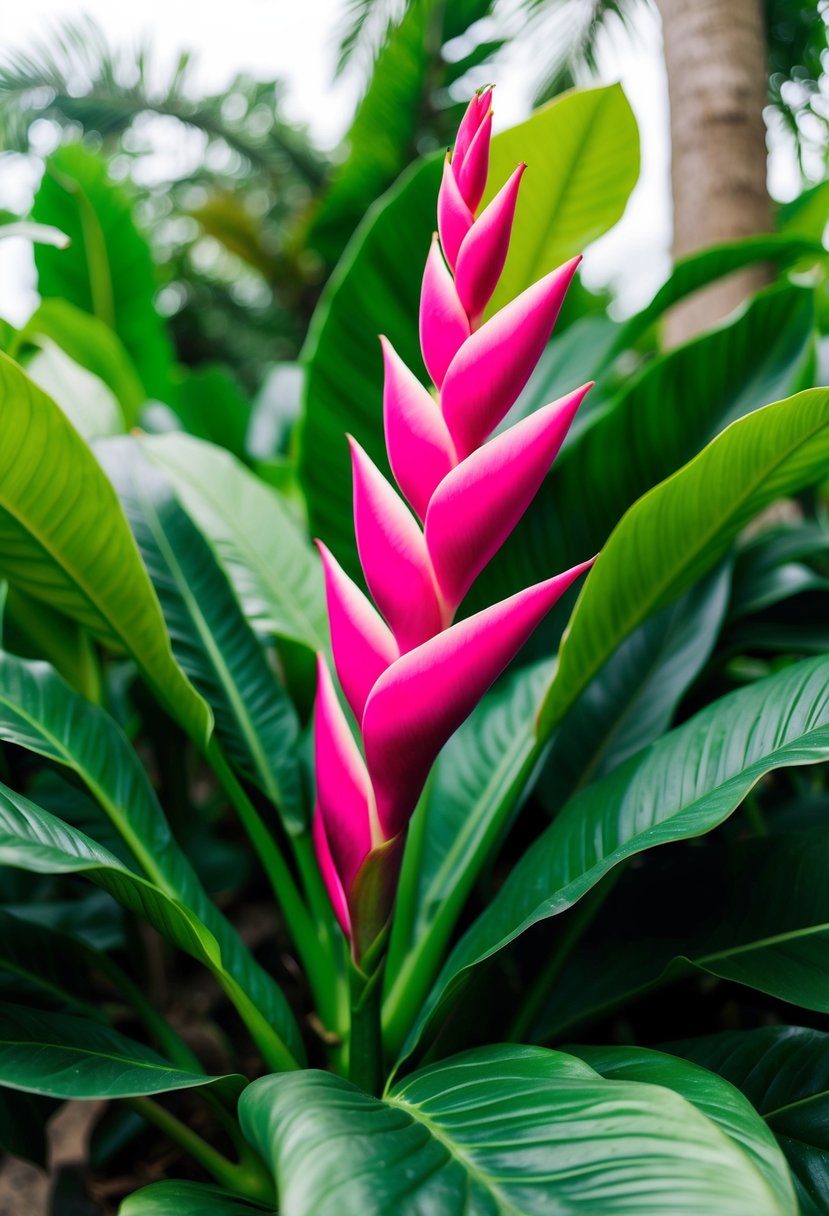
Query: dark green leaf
682	786
508	1129
175	1198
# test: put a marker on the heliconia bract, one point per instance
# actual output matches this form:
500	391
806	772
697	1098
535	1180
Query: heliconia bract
409	674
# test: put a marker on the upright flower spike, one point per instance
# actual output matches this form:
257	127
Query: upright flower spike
409	674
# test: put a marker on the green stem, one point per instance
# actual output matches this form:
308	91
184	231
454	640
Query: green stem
365	1044
248	1178
299	923
334	1008
575	927
464	860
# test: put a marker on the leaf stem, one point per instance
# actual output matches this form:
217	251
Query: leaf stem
248	1178
365	1045
299	923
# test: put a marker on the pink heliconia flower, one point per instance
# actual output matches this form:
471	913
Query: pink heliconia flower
409	673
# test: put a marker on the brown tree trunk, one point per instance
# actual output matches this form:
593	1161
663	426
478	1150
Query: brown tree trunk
715	57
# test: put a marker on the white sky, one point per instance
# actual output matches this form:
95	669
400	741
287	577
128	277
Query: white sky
294	40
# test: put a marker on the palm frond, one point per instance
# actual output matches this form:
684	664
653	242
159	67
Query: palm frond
75	78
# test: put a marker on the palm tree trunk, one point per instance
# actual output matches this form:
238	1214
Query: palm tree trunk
716	62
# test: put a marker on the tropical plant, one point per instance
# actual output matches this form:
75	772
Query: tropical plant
338	951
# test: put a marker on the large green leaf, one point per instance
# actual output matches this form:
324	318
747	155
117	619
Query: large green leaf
582	151
715	262
682	786
475	788
212	640
723	1104
516	1130
784	1072
585	165
274	571
632	699
34	840
633	440
212	406
64	539
681	528
174	1198
764	922
89	404
63	1056
107	270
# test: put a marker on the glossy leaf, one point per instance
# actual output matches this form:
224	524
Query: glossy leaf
582	153
764	922
632	699
502	1129
175	1198
212	640
630	442
784	1072
63	1056
679	530
64	539
477	785
275	572
721	1103
682	786
34	840
107	270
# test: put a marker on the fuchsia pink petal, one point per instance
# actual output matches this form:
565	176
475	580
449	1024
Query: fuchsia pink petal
493	365
454	217
393	556
362	642
471	173
476	111
484	249
476	507
423	698
444	326
344	793
417	440
329	873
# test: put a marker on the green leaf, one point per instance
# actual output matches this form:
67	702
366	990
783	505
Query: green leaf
502	1129
274	571
763	355
34	840
43	964
682	786
64	539
771	568
764	922
212	406
681	528
212	640
633	698
475	788
784	1072
89	404
62	1056
174	1198
713	263
582	151
107	270
93	344
721	1103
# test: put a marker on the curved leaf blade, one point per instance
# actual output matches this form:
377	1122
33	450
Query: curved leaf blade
681	528
682	786
64	539
502	1129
